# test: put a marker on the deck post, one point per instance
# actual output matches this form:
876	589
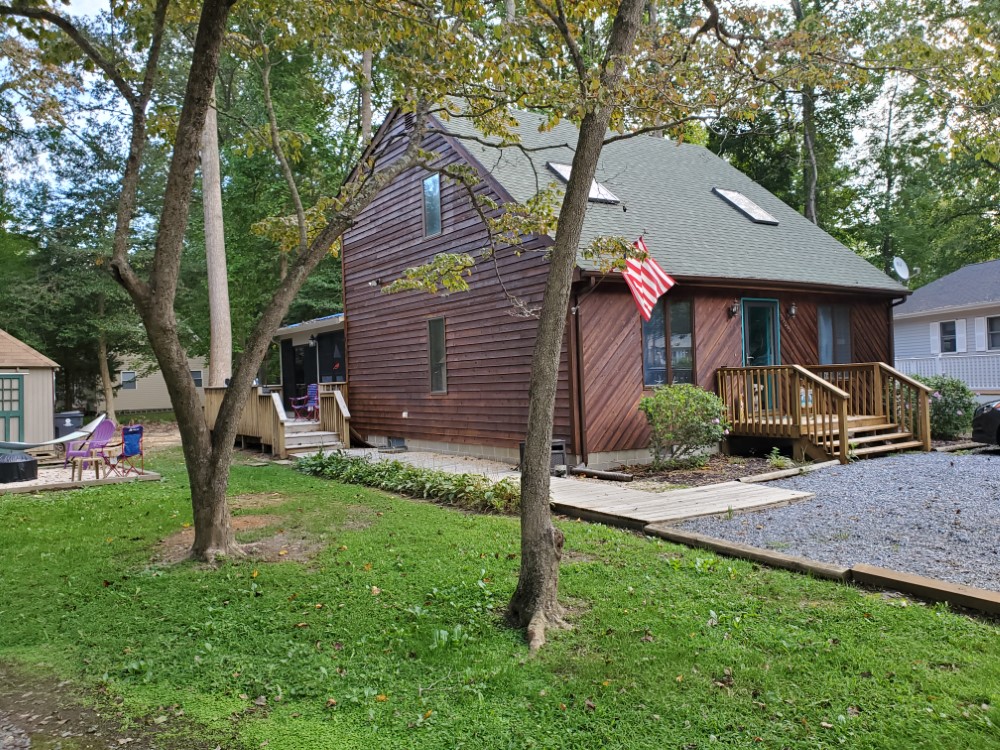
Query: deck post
879	393
845	446
925	419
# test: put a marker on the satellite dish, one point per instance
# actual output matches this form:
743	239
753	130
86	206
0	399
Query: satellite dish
901	269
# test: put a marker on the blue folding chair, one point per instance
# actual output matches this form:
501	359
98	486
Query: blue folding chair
130	460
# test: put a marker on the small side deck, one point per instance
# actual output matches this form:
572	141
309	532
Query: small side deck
264	421
828	411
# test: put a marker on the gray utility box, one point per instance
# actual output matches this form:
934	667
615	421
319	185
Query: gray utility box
66	422
558	460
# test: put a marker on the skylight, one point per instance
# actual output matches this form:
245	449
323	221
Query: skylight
745	206
598	193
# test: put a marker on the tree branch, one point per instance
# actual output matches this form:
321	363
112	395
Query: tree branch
81	41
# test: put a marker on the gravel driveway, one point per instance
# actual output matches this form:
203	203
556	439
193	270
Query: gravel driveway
933	514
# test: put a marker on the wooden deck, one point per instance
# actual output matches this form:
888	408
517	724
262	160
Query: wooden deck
634	509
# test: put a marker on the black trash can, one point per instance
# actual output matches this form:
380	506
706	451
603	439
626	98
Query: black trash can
66	422
558	454
17	467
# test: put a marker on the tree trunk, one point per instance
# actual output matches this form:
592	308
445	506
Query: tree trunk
366	95
220	357
535	603
107	384
811	170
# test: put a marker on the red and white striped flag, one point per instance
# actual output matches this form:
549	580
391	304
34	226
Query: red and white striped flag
646	279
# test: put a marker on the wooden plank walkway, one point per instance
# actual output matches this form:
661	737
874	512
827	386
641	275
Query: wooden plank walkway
635	509
610	503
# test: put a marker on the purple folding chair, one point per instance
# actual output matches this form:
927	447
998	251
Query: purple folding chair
307	407
92	446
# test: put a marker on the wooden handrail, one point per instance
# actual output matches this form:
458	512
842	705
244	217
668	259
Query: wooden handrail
817	380
903	377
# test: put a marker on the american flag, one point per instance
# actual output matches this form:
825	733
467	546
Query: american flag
646	279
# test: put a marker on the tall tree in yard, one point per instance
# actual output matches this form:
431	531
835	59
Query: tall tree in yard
132	67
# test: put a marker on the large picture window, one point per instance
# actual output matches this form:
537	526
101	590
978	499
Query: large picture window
438	355
667	344
432	205
834	334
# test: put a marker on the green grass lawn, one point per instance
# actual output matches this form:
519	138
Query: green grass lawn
397	620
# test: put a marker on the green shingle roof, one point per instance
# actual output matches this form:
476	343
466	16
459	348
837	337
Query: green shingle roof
666	196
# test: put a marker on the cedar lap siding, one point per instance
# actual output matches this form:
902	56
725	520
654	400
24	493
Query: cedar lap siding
488	349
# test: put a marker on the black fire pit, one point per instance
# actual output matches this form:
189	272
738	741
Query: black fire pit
17	467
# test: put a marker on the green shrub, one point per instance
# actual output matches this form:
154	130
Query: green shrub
685	420
952	405
468	491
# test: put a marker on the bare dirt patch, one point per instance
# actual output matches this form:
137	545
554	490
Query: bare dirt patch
359	518
175	547
717	469
44	713
256	500
573	556
160	435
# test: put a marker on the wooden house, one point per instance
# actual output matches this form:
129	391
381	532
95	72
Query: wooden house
27	392
789	326
952	327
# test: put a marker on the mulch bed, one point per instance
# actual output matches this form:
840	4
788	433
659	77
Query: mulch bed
719	468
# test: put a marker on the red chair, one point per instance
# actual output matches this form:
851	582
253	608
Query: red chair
307	407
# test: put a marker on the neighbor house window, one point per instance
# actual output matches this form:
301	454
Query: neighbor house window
667	349
196	377
993	333
438	355
128	380
949	336
432	205
834	334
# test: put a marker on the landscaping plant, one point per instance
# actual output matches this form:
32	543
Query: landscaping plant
686	421
952	405
468	491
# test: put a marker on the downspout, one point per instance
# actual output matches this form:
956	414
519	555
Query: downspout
580	430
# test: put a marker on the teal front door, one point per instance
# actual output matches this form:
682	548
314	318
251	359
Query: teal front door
12	407
761	338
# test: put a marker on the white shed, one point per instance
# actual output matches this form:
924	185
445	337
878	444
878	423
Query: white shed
27	391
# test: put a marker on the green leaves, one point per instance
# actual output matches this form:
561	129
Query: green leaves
444	274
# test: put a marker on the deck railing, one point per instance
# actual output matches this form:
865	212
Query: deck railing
334	416
263	417
878	390
785	401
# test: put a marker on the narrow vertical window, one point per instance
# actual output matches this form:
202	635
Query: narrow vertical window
949	336
681	349
993	333
438	355
834	322
432	205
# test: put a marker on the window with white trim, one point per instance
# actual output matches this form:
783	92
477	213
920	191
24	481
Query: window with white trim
196	377
993	333
949	337
128	380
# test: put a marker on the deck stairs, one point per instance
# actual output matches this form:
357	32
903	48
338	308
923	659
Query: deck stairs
306	436
867	437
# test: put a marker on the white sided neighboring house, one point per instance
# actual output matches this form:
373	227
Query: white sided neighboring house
137	390
952	327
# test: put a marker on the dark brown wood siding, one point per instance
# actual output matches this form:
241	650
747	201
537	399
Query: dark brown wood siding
488	347
611	347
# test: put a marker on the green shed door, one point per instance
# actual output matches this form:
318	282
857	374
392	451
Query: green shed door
12	407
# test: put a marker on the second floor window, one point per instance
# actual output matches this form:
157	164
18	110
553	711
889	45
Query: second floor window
128	380
432	205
